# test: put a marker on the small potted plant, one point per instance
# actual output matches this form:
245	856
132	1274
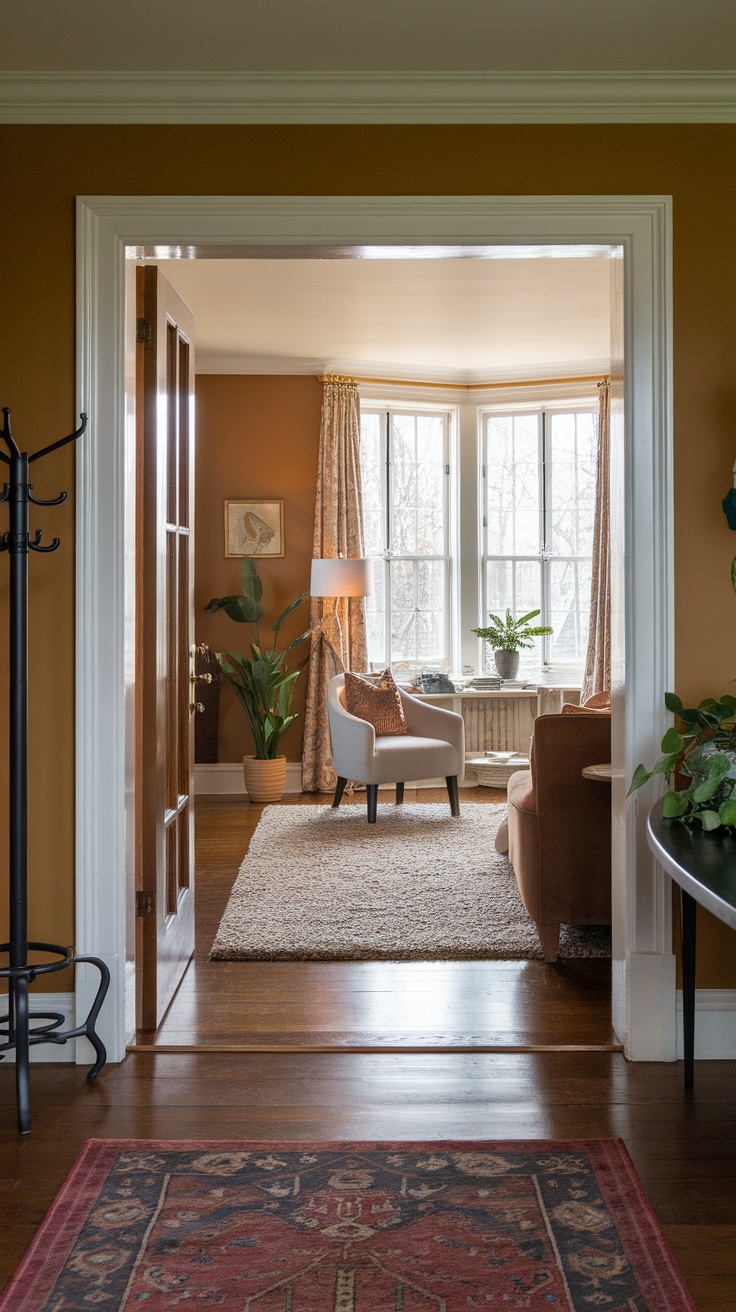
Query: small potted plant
262	683
506	636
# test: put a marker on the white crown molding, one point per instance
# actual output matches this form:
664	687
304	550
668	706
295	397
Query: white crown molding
214	362
367	97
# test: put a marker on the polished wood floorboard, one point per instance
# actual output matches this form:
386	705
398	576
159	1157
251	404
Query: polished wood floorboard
363	1004
683	1145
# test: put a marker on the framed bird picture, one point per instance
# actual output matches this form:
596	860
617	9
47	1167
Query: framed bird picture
254	528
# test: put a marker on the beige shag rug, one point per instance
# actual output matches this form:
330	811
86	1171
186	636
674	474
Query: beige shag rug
323	885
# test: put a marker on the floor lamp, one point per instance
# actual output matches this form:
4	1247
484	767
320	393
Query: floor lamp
338	577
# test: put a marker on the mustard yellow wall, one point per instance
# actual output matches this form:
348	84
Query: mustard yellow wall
44	168
256	437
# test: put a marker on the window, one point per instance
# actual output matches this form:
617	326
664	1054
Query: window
539	486
405	474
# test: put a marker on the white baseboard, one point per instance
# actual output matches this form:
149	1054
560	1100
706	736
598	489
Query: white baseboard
715	1024
652	1032
62	1003
225	778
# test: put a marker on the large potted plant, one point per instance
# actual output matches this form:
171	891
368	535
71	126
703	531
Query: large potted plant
262	683
506	636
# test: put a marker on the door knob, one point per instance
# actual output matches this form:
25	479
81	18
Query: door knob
197	707
200	678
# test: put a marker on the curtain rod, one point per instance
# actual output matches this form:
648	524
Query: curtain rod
469	387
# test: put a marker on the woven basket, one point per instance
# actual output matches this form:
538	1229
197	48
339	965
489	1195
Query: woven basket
264	780
496	774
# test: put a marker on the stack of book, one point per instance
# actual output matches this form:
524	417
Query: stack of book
482	682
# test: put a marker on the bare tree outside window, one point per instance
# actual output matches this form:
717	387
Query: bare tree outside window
404	467
539	504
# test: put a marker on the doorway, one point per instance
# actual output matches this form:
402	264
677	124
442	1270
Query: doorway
642	946
456	336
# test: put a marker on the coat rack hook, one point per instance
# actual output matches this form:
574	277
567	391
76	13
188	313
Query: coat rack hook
71	437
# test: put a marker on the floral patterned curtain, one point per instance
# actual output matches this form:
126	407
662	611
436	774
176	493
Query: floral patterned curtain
597	676
338	531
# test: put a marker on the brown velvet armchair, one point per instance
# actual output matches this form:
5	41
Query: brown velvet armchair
560	826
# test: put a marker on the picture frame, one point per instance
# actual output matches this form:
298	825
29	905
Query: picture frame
254	528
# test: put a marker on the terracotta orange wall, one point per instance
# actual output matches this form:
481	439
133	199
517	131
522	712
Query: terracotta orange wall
256	437
44	168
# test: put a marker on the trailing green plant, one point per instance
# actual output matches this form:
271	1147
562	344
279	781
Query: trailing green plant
261	681
705	754
509	634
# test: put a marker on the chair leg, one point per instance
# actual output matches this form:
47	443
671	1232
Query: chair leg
372	790
451	781
399	794
549	937
339	790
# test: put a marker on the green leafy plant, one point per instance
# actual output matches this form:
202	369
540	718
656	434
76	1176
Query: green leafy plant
705	754
510	634
261	681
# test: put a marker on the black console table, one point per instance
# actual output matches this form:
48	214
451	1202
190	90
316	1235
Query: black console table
704	866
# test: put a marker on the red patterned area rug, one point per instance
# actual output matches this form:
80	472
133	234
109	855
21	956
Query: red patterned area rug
350	1227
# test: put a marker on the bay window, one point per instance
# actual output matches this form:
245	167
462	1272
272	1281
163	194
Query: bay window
473	508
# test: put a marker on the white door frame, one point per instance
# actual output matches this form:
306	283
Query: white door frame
644	979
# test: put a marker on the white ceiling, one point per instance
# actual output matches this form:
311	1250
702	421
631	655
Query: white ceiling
292	35
458	320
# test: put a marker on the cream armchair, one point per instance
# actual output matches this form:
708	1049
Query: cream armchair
433	748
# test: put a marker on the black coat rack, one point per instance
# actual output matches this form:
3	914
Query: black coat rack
18	1028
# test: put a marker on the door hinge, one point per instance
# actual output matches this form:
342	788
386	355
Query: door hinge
144	904
144	331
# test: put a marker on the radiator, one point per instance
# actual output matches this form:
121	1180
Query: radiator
501	724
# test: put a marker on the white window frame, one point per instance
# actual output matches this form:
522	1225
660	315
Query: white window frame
420	406
571	672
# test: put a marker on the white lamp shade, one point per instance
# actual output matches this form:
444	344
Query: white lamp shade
337	577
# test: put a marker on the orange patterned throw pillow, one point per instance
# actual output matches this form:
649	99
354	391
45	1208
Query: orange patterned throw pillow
377	701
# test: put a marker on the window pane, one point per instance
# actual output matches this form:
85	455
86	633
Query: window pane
569	609
418	610
404	510
375	618
516	586
372	469
499	588
571	488
417	507
513	496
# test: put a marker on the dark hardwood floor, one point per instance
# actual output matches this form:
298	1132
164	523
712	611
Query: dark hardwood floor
684	1146
366	1005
